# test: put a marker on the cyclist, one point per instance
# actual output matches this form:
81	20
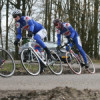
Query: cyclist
33	27
67	30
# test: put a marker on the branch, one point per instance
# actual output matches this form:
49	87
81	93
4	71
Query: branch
13	3
1	4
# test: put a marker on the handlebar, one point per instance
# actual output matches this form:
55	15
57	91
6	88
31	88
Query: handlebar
26	40
65	44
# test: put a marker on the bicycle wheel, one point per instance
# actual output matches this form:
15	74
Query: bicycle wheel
73	63
55	64
91	68
30	61
7	64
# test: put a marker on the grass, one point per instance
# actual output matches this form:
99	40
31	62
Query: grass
96	61
19	70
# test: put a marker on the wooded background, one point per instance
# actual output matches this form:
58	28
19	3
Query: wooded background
83	15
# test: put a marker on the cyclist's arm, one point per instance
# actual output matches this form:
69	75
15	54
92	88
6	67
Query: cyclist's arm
30	23
19	32
72	31
58	38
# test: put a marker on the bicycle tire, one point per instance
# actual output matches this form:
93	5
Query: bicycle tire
55	64
91	68
32	63
73	63
7	67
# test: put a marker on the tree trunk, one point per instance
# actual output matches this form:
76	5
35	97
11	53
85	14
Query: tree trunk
96	6
46	15
17	5
7	9
49	20
1	5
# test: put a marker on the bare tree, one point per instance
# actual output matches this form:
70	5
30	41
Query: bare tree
7	9
96	7
1	6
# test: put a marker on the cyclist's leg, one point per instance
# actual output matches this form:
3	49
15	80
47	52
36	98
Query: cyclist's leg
39	41
79	47
38	37
42	67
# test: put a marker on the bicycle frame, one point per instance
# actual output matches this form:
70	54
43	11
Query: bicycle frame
30	46
38	55
71	51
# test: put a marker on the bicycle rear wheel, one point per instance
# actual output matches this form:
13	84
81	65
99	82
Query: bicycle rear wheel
55	64
91	68
73	63
7	64
30	61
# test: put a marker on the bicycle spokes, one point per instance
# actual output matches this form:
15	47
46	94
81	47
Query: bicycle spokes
7	65
55	64
32	63
73	63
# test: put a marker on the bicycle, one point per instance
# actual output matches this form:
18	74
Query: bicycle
75	60
7	64
33	59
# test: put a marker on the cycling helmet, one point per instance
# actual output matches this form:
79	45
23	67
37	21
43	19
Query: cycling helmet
17	13
56	21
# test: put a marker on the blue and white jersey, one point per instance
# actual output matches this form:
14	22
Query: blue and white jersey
27	23
67	31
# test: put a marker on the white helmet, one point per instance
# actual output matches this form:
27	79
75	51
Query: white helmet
16	13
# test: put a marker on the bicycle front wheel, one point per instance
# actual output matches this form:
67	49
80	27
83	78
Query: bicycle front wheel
73	63
55	64
30	61
91	68
7	64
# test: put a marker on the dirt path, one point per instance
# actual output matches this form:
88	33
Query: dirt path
45	82
51	87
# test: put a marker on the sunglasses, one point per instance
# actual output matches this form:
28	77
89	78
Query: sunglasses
56	24
14	16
